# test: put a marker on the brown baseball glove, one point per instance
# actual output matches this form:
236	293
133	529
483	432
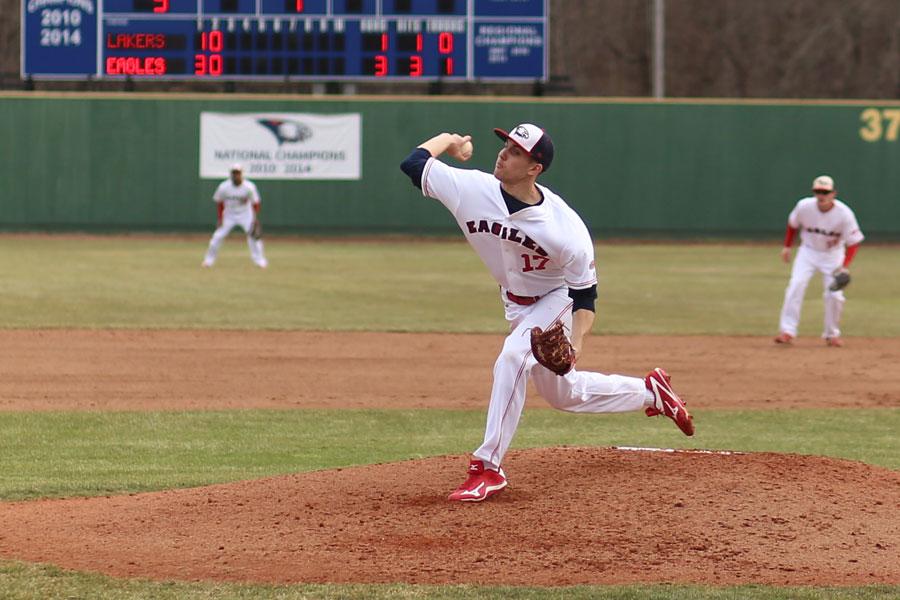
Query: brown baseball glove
256	230
552	348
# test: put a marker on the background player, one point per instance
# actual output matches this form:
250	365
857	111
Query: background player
237	201
540	253
829	239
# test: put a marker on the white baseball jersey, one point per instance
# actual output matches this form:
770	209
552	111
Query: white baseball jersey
237	198
531	252
825	231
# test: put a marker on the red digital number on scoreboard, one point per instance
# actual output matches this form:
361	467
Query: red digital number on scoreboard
381	66
211	64
208	65
212	41
415	66
445	42
445	46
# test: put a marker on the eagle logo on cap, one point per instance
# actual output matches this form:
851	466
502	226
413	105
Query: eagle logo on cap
521	132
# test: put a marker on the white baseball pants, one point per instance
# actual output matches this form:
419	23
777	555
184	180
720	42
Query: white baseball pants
229	222
806	263
576	391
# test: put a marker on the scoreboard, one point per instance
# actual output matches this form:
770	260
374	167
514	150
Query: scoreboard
354	40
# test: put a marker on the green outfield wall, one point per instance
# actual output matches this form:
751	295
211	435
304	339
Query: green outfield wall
675	168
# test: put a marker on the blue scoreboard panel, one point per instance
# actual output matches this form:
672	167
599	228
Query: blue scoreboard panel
463	40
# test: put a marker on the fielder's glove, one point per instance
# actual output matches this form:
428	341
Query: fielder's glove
841	280
552	349
256	230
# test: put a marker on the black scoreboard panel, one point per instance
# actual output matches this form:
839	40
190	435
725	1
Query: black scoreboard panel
288	39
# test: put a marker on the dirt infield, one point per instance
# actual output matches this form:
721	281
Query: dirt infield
156	370
570	515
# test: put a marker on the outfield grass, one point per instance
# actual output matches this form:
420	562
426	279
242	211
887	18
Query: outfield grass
420	286
120	282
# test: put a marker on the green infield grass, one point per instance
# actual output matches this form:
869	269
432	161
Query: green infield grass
94	453
332	284
20	581
400	285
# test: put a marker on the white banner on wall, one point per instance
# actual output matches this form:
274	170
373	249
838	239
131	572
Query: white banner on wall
281	145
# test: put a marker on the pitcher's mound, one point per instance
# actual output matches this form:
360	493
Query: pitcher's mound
569	516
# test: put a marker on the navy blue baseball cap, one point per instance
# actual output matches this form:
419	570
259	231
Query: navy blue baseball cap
533	140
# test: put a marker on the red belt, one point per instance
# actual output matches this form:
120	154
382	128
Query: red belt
522	300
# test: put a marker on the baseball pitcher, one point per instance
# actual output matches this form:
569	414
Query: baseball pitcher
541	255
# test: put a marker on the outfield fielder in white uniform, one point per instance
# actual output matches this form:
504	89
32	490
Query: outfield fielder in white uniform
237	201
829	239
540	253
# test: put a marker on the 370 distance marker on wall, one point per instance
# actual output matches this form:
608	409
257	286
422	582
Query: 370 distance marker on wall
880	124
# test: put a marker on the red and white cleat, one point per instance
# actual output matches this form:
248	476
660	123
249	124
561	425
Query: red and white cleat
667	402
784	338
480	485
834	342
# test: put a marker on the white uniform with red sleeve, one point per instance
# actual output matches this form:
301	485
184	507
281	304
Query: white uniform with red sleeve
535	254
237	211
824	237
